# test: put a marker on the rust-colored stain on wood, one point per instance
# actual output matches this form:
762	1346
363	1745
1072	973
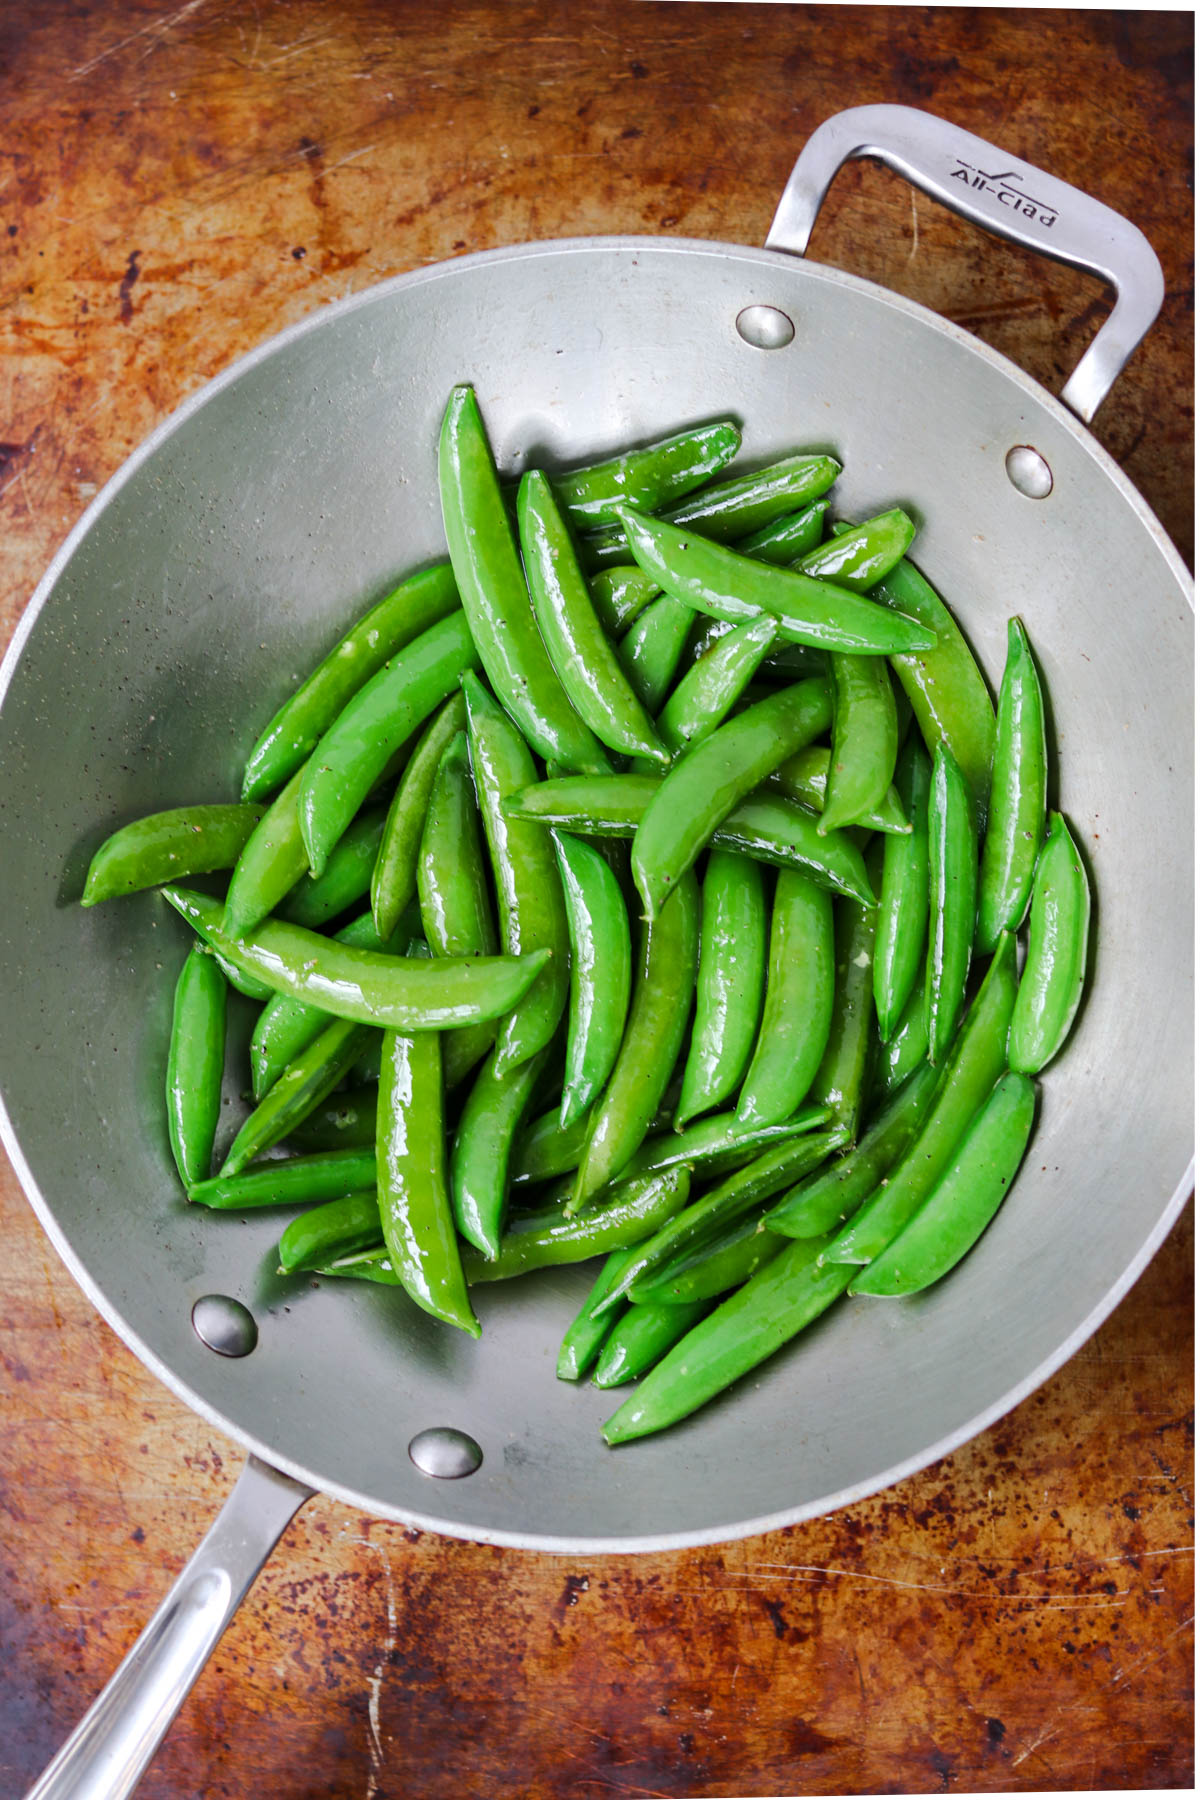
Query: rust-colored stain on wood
178	183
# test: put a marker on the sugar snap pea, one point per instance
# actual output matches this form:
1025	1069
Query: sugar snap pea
549	1239
529	893
345	878
414	1199
336	1228
740	1251
272	861
285	1026
196	1064
492	1114
418	602
953	885
582	656
393	992
168	846
944	683
966	1198
739	505
859	556
601	972
797	1013
1055	967
907	1046
842	1077
865	740
785	539
655	475
584	1335
975	1063
619	594
729	983
373	726
305	1082
1017	811
903	920
805	776
394	874
708	690
290	1181
714	579
706	784
640	1336
664	982
759	1318
495	596
456	907
650	651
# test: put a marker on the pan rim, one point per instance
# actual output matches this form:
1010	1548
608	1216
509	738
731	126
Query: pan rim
176	420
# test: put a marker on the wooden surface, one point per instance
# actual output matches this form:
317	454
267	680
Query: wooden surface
178	183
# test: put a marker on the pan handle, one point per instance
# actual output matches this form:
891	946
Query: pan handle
107	1753
1004	195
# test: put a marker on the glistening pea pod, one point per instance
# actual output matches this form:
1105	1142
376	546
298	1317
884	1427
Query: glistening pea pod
394	992
495	596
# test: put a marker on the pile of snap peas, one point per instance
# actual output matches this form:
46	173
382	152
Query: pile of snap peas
641	882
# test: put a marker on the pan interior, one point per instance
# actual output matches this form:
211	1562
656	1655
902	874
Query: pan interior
223	562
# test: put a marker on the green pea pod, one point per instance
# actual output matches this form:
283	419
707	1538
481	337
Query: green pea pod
706	784
713	579
759	1318
700	1225
736	1255
654	476
902	926
805	776
582	656
337	1228
1017	813
729	983
394	992
456	909
495	597
533	917
595	805
797	1013
1056	963
414	1199
303	1085
373	726
720	1143
865	740
966	1198
394	875
346	1120
953	884
944	684
640	1337
859	556
825	1200
664	982
196	1064
619	594
765	826
345	878
411	608
584	1335
974	1065
492	1115
285	1027
713	685
291	1181
841	1080
271	863
601	972
736	507
168	846
785	539
650	651
548	1239
907	1046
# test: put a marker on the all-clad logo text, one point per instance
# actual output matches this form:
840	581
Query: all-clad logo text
1005	186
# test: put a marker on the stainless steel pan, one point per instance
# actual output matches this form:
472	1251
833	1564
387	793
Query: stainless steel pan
218	565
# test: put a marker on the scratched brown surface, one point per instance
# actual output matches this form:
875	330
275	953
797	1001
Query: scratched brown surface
178	183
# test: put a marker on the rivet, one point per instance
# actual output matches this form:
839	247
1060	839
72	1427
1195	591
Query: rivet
224	1324
445	1452
1029	471
765	327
